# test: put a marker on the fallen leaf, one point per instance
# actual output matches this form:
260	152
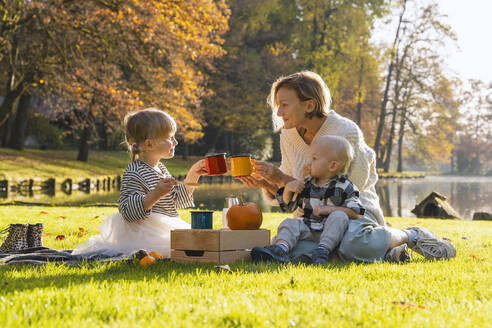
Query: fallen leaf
465	237
96	216
446	238
476	257
63	217
81	229
60	237
406	305
47	234
43	212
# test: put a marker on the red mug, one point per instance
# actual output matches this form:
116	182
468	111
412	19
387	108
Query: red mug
216	164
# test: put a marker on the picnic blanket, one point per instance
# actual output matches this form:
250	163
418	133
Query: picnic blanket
44	255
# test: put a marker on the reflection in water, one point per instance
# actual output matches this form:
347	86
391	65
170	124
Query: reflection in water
397	197
465	194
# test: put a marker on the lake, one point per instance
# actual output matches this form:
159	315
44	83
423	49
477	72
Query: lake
397	196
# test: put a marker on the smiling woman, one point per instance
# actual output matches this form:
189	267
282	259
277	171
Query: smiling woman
300	109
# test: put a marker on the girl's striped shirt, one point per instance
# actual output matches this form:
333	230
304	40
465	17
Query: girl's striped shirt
139	179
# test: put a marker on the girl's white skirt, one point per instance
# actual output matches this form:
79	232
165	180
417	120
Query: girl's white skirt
119	237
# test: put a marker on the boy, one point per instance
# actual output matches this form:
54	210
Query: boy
328	198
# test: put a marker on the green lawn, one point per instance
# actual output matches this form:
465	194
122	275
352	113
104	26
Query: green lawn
34	163
454	293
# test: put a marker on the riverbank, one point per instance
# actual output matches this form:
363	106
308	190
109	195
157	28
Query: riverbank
61	164
455	293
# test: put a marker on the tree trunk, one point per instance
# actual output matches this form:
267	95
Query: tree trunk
401	134
83	155
359	93
384	102
186	150
389	149
18	134
103	135
6	130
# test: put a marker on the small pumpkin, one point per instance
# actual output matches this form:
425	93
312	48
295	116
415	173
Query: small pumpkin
244	216
147	261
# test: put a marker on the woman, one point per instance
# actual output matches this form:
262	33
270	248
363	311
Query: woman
300	109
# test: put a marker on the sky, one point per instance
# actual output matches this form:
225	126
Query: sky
472	22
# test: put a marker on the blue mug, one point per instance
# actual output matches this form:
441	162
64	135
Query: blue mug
201	219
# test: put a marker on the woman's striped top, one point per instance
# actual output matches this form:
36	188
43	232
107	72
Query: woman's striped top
139	179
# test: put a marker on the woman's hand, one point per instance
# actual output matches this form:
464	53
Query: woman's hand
268	171
252	182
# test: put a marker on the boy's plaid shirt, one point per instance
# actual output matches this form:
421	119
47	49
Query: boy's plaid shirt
339	191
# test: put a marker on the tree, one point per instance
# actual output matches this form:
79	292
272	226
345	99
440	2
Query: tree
104	58
268	39
421	95
474	137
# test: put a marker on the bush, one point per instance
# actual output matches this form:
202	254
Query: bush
42	133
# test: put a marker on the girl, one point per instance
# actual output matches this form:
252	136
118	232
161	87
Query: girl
149	194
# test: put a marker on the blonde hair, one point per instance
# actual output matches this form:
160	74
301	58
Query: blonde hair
149	123
341	149
308	86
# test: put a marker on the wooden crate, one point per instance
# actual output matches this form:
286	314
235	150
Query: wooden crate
215	246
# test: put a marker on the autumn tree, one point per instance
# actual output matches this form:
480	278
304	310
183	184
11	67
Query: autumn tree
268	39
420	95
105	58
473	139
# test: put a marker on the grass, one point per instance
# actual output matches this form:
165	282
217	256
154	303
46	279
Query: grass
35	163
455	293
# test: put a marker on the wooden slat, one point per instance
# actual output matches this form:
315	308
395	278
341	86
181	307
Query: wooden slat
243	239
195	239
210	257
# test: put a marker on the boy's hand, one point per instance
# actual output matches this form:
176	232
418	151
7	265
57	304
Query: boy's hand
164	186
322	210
295	186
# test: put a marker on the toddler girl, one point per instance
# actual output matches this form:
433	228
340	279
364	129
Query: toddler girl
149	194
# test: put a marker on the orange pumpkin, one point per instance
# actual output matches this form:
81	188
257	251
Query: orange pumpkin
147	261
156	255
244	216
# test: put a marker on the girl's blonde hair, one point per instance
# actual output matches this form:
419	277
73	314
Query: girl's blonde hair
149	123
308	86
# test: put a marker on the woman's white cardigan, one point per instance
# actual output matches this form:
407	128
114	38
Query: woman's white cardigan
362	171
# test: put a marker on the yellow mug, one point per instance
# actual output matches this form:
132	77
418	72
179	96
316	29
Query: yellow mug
241	165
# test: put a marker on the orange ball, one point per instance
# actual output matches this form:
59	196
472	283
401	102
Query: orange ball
147	261
156	255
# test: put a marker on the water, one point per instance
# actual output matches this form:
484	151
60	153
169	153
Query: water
397	196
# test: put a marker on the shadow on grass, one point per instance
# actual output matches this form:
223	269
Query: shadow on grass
44	276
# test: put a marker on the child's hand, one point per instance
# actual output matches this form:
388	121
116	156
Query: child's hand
198	168
295	186
322	210
164	186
